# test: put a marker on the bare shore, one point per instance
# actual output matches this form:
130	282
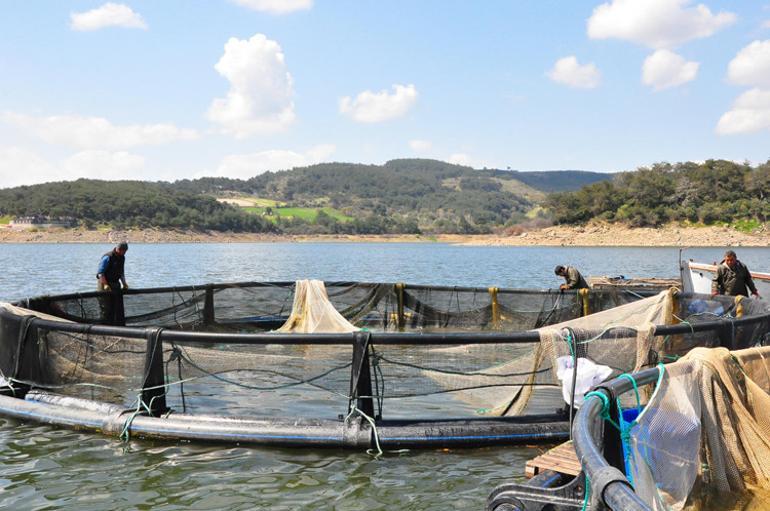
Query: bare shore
589	236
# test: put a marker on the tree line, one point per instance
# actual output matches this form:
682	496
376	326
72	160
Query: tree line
710	192
123	204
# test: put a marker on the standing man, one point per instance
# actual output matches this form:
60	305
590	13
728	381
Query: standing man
733	278
111	269
573	278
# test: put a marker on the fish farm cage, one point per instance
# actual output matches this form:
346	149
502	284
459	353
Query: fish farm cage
420	366
692	434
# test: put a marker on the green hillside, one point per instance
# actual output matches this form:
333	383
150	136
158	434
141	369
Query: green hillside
401	196
715	191
560	180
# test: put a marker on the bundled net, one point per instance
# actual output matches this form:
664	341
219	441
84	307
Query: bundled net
703	439
313	312
622	339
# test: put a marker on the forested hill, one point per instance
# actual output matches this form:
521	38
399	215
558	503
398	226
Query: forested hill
559	180
409	195
393	177
92	203
710	192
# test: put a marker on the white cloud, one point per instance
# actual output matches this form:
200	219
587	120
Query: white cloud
96	132
750	113
664	69
380	106
261	90
103	165
751	66
276	6
420	146
655	23
568	71
20	166
245	166
108	15
460	159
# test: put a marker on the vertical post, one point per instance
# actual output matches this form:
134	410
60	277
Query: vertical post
739	306
360	374
583	293
111	307
613	444
208	306
401	321
153	386
25	360
118	304
726	333
495	307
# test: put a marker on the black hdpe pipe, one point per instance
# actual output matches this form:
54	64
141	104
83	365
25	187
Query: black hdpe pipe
113	420
607	483
385	338
289	284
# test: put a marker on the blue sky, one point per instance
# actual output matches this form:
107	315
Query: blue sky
183	89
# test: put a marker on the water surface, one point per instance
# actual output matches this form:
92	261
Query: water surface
47	468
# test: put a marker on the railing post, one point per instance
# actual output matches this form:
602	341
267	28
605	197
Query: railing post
26	359
400	319
112	308
495	307
154	384
613	443
209	316
360	374
583	294
726	333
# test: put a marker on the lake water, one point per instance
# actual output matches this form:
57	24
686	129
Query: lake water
47	468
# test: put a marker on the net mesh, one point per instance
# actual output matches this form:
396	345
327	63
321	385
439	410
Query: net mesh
254	307
703	440
312	312
464	378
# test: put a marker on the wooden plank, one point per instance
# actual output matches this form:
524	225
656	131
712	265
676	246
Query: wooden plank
561	458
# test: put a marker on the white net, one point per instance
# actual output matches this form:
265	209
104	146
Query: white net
704	436
620	338
312	312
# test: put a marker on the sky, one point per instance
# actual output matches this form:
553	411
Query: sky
175	89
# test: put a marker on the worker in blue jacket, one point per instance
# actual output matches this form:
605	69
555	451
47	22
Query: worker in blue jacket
111	272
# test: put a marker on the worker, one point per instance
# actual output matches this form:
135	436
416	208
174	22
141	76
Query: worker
733	278
573	278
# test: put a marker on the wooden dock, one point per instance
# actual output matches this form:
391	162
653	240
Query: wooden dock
561	459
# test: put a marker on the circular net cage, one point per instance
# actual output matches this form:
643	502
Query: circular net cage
347	364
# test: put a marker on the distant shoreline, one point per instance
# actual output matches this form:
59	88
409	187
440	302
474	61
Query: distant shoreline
602	235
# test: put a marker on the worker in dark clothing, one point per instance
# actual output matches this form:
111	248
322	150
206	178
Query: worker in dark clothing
573	278
733	278
109	278
111	272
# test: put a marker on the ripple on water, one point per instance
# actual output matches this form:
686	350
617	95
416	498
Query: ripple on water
47	468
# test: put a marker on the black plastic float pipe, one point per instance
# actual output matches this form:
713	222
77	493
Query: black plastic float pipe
607	482
114	420
384	338
288	284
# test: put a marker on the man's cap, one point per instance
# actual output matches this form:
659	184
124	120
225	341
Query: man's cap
558	269
123	245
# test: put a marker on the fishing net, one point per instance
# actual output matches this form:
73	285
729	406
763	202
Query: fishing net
260	306
703	439
313	312
204	350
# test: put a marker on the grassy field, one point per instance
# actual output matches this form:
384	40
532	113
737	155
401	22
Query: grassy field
278	209
5	219
307	214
